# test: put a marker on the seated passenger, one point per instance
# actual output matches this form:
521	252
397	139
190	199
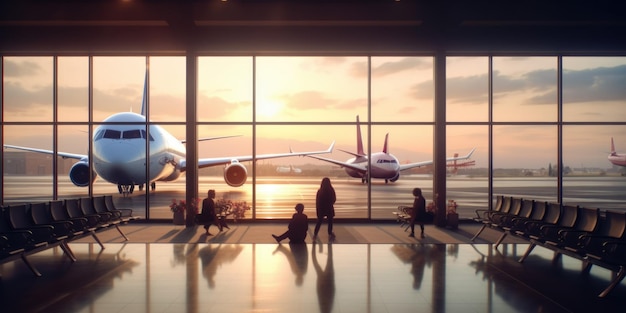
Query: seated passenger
298	226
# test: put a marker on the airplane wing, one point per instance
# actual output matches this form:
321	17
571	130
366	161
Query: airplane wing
207	162
355	167
424	163
64	155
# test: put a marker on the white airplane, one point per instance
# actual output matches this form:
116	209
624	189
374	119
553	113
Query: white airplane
616	158
119	155
384	165
290	169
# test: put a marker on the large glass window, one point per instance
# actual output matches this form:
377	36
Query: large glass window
224	89
276	104
73	90
524	89
402	89
593	89
306	89
525	161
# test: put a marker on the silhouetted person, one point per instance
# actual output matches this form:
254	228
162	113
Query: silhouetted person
298	226
208	215
325	206
418	212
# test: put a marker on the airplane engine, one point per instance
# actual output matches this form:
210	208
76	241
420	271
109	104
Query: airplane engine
79	174
235	174
393	179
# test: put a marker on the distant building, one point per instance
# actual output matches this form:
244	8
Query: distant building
32	164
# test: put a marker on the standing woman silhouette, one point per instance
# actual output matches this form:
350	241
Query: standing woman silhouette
325	207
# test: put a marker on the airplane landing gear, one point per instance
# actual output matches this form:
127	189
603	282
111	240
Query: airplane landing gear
153	186
125	189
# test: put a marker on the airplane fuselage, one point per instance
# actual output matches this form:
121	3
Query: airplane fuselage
384	166
119	151
618	159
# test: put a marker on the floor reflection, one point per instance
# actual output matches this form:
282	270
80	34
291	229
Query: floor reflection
201	277
325	277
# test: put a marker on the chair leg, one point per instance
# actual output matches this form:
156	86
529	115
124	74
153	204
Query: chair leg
119	230
66	248
30	266
620	275
527	253
93	234
500	239
479	231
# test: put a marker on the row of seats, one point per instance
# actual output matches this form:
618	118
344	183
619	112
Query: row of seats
593	236
29	228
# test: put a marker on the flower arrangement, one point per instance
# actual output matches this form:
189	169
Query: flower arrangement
452	207
431	207
237	209
181	206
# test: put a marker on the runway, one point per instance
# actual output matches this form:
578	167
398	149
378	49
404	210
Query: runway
276	196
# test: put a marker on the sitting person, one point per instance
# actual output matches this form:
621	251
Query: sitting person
298	226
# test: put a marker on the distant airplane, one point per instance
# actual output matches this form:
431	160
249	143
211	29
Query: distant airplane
455	165
290	169
616	158
119	155
384	165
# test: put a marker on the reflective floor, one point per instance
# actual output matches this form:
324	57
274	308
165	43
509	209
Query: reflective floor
314	277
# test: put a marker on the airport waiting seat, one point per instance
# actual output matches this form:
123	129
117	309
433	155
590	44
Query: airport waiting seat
482	213
486	215
88	208
107	219
20	218
41	215
508	222
125	215
17	243
80	225
612	228
72	206
586	223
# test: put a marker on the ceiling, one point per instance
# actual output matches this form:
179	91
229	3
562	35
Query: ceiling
312	27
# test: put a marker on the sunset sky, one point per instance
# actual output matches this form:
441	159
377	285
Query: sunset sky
335	89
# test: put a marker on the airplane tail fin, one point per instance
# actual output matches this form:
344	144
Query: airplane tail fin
145	95
359	139
613	147
385	151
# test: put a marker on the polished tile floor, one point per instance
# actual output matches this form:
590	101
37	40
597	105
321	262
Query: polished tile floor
314	277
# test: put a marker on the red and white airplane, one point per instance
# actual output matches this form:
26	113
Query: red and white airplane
616	158
119	155
383	164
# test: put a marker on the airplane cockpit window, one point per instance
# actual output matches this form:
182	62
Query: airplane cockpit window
132	134
98	135
386	161
112	134
143	135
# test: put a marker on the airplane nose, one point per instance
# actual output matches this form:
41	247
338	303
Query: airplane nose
120	153
120	162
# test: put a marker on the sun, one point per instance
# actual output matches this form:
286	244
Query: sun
268	109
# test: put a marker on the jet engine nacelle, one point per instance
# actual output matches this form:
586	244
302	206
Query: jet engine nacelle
235	174
79	174
393	179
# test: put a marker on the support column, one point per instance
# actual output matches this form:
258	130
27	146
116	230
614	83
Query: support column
191	179
439	142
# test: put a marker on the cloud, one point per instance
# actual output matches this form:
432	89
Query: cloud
403	64
21	69
596	84
308	100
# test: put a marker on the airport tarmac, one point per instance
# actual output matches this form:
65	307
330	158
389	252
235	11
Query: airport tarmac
275	197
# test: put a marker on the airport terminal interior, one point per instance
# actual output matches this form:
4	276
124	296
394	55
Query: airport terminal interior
139	107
